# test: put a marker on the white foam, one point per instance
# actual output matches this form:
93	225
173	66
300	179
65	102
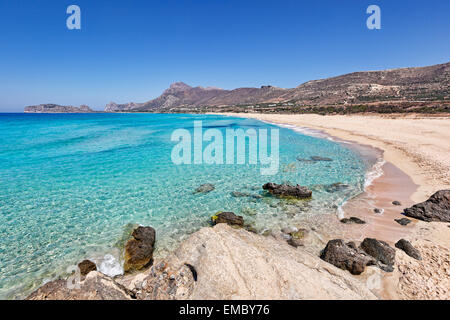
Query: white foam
375	173
110	266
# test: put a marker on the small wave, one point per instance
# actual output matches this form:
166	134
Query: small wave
374	173
110	266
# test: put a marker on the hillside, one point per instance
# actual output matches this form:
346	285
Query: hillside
423	84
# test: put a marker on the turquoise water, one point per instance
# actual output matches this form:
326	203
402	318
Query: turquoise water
71	185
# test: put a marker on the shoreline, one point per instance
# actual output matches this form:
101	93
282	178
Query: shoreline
401	180
231	262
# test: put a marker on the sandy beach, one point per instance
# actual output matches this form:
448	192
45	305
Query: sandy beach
416	149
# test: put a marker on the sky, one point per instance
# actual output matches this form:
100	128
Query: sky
133	50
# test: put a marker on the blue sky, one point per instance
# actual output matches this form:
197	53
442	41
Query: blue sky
132	50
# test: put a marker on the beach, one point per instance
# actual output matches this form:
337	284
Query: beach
416	151
228	262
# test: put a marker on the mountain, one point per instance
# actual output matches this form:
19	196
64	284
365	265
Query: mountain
401	85
54	108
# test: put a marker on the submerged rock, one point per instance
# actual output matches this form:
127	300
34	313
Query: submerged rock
380	250
403	221
353	220
346	256
288	190
139	249
335	187
229	218
406	246
86	266
205	188
436	208
319	158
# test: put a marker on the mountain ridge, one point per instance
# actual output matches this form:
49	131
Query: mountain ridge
403	84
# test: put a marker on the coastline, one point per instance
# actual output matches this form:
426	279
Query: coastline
221	254
404	179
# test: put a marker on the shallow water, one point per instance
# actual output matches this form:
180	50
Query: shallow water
73	185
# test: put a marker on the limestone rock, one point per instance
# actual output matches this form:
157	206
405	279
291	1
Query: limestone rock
380	250
86	266
96	286
406	246
436	208
228	218
139	249
288	190
346	256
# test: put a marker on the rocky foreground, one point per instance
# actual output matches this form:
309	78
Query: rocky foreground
226	261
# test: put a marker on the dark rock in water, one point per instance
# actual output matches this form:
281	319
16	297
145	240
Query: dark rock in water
139	249
205	188
436	208
251	229
319	158
380	250
376	210
288	190
406	246
305	160
86	266
228	217
353	220
403	221
396	203
346	256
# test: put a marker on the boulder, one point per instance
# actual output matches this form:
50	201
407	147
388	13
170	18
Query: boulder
396	203
403	221
406	246
377	210
346	256
229	218
139	249
288	190
353	220
436	208
380	250
96	286
205	188
86	266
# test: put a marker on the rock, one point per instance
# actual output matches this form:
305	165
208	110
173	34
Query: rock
380	250
205	188
96	286
436	208
396	203
346	256
403	221
295	242
236	264
376	210
300	234
86	266
353	220
319	158
288	190
139	249
406	246
229	218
